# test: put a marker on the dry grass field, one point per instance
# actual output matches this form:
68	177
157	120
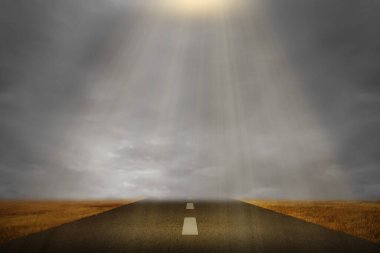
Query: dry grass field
358	218
19	218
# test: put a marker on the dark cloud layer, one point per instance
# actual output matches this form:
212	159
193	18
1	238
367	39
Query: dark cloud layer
336	47
117	98
47	49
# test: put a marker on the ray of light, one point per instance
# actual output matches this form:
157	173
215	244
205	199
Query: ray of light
207	109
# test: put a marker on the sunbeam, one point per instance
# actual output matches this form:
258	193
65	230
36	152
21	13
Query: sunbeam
170	99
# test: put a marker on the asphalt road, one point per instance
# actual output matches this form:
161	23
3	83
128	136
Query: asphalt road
153	226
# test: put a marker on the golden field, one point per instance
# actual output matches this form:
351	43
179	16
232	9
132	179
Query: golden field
20	218
358	218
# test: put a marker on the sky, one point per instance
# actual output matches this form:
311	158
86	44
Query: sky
190	98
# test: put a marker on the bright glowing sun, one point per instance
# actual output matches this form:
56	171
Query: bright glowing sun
194	7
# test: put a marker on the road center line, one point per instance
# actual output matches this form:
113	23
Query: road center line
189	226
189	206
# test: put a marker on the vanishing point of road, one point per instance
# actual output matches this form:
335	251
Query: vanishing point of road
189	226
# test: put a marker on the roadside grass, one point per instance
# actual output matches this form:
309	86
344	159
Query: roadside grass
19	218
358	218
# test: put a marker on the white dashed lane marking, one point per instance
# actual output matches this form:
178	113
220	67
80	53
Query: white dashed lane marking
189	206
189	226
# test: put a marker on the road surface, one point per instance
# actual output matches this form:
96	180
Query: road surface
154	226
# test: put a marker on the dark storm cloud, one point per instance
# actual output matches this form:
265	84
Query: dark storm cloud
336	48
123	98
46	49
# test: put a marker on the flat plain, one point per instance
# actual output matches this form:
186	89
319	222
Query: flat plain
358	218
19	217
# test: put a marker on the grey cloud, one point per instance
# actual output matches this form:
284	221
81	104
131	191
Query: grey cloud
336	48
115	99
